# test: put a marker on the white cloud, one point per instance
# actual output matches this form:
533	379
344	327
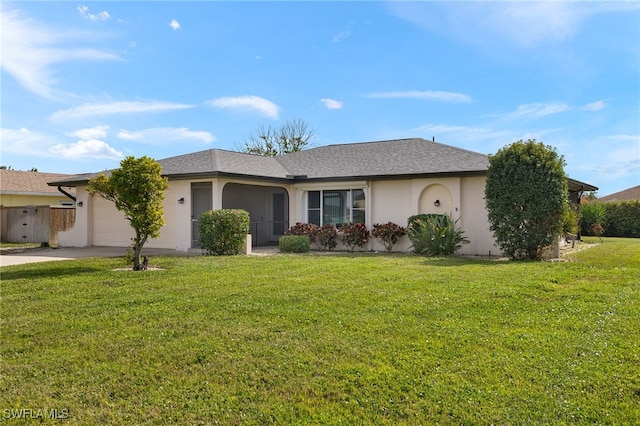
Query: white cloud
37	144
331	103
470	135
122	107
620	162
166	134
630	138
84	11
247	102
30	49
428	95
520	24
174	24
24	141
594	106
341	36
91	148
536	110
91	133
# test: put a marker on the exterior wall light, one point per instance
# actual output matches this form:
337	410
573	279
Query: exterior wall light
79	204
181	200
436	203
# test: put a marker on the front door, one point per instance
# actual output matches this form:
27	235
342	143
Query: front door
201	201
278	215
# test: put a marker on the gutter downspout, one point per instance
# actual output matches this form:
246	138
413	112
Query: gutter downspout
66	193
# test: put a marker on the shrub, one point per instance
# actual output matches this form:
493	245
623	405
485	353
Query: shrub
570	222
353	235
423	217
597	230
223	232
308	229
622	218
294	244
593	213
414	229
525	195
327	237
388	234
437	235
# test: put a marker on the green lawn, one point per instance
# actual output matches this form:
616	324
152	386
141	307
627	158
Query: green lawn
326	339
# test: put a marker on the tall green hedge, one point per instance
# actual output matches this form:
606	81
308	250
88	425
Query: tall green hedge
223	232
618	218
622	219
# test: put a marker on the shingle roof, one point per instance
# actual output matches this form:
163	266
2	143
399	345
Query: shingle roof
383	159
400	157
364	160
33	183
221	161
628	194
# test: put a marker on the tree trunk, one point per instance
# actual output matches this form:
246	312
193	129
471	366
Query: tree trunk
136	257
138	242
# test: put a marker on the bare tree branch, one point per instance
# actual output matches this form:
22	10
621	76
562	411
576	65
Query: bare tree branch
292	136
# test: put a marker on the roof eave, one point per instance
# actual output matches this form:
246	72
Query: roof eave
576	185
214	175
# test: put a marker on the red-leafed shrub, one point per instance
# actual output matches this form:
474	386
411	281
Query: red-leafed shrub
388	234
353	235
308	229
327	237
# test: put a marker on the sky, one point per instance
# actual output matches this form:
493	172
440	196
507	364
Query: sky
85	84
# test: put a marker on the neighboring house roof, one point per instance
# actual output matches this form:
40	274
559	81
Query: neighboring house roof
627	194
391	159
29	183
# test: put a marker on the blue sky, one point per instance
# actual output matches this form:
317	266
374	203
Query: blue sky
86	83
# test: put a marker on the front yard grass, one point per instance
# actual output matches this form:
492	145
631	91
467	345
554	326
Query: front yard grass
340	339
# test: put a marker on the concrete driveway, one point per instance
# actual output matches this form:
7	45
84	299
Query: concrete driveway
70	253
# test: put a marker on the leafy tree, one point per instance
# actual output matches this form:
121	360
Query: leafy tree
137	189
292	136
526	195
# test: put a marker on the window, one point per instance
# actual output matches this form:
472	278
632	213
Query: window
336	207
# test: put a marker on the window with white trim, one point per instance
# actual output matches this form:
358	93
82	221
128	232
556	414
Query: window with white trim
336	207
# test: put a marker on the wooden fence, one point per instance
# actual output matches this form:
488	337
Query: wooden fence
35	224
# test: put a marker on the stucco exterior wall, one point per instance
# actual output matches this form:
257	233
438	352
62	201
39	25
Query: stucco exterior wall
390	201
474	218
397	200
462	198
80	234
99	223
